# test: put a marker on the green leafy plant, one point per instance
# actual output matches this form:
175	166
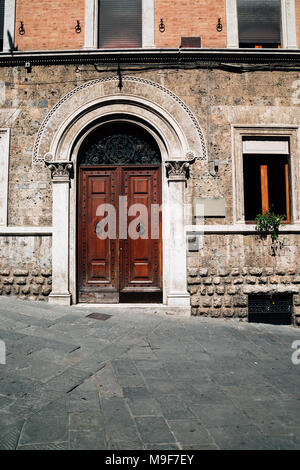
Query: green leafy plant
269	222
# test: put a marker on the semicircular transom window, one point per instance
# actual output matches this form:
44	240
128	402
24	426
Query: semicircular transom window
119	144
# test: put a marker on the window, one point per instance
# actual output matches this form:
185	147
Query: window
120	24
259	23
266	172
266	177
2	5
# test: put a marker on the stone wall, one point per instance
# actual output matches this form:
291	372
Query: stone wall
25	266
230	267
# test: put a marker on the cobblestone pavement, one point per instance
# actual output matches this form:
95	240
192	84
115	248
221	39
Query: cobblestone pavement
142	380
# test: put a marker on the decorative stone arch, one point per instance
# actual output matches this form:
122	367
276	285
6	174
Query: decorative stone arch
180	140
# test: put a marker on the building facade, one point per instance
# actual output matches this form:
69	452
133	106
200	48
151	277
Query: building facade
173	124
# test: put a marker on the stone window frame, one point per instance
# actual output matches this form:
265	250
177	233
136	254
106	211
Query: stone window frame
91	24
288	24
238	132
9	24
4	168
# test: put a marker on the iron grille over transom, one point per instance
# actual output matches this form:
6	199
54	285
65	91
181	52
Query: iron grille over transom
120	24
275	309
119	144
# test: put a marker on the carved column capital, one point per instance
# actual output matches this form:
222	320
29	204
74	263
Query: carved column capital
177	170
60	171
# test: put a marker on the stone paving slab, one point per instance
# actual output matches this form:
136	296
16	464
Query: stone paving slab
144	380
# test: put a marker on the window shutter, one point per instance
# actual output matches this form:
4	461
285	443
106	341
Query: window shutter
259	21
2	4
120	24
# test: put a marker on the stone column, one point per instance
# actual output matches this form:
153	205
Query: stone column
178	295
60	173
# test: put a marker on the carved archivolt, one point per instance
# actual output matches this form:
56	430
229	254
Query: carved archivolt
49	125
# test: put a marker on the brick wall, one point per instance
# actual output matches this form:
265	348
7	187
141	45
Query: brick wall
49	24
297	7
190	18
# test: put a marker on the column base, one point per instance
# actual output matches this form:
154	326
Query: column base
180	302
59	299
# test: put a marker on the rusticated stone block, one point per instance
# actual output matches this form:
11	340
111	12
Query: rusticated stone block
203	312
35	272
280	271
297	300
240	301
231	290
268	271
296	280
220	290
194	311
223	272
21	272
8	281
203	290
241	312
286	280
15	290
195	300
4	272
216	313
235	272
192	290
25	290
227	301
229	312
193	281
244	272
203	272
7	290
238	280
251	280
263	280
217	302
207	281
210	290
227	280
206	302
39	280
193	272
297	321
46	291
255	271
274	280
21	281
216	280
35	289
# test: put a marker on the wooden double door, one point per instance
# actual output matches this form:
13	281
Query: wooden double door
119	233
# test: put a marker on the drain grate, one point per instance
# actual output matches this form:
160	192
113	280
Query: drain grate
99	316
274	309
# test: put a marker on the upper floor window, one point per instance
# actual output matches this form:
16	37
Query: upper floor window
2	6
259	23
120	24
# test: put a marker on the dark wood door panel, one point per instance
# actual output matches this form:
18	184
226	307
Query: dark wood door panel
107	266
140	260
97	255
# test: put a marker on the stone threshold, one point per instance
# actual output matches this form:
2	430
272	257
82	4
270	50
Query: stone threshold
142	308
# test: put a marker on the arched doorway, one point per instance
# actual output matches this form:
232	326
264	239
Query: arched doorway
119	252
